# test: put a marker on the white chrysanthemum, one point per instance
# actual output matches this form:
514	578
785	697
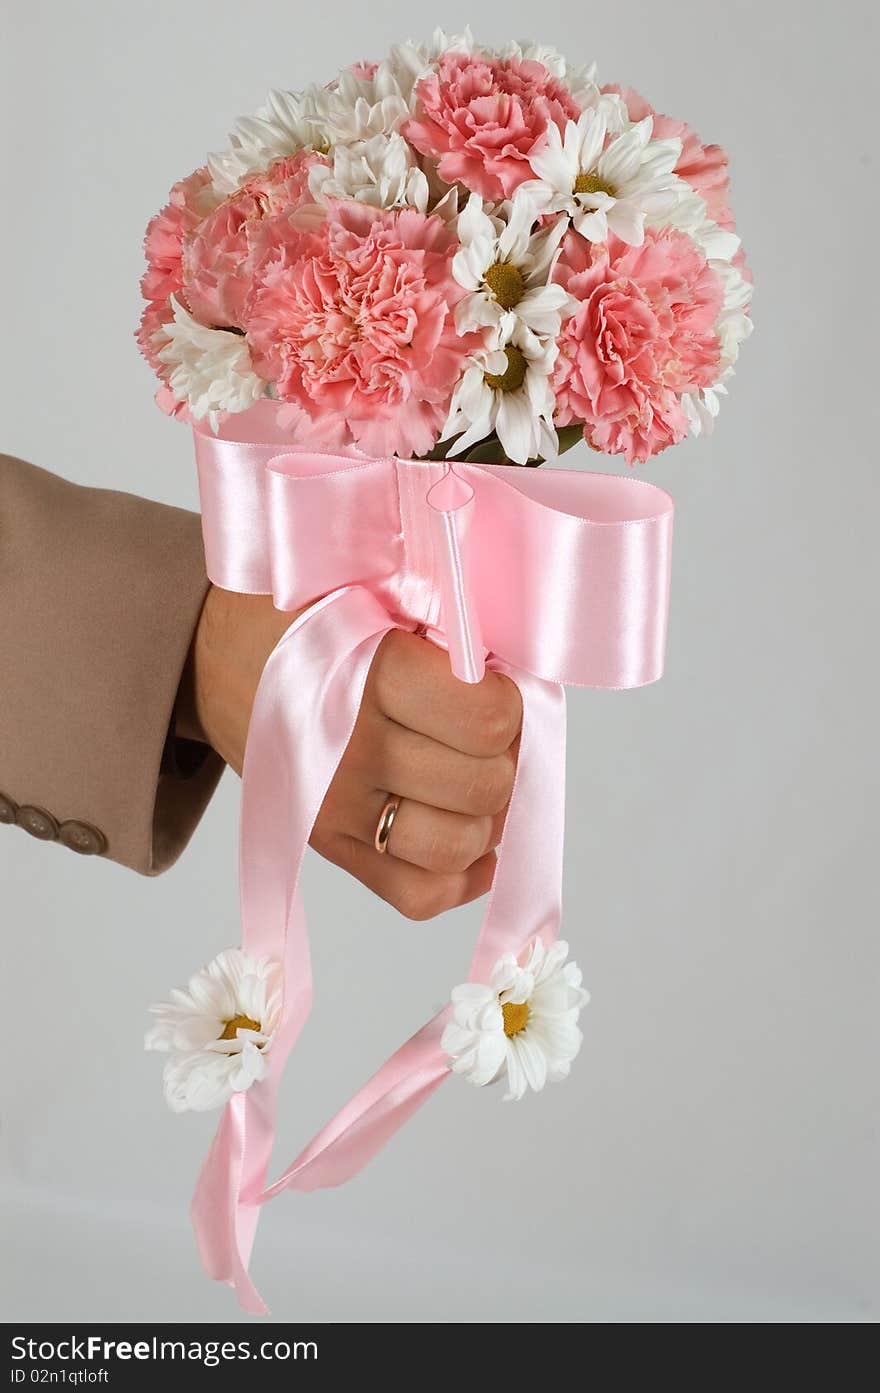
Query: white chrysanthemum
733	327
409	61
210	369
507	391
532	51
701	408
688	214
381	171
218	1030
522	1026
288	122
614	188
506	267
357	107
734	322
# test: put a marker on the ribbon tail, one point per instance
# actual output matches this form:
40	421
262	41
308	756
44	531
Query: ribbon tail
526	900
225	1227
303	716
370	1119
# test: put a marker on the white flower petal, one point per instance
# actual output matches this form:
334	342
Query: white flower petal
551	164
517	1083
474	222
627	221
591	131
531	1057
593	226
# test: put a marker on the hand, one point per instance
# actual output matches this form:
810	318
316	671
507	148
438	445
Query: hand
445	748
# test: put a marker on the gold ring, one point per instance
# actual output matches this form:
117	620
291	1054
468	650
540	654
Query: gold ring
385	824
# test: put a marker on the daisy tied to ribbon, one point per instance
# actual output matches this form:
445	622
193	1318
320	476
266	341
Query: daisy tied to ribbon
218	1031
521	1027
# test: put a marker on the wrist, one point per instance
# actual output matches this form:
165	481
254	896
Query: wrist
234	636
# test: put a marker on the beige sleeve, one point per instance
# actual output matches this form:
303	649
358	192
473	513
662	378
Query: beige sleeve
100	594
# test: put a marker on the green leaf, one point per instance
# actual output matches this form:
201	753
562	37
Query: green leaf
490	450
441	449
569	436
487	452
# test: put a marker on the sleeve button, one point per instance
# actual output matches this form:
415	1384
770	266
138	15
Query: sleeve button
8	809
82	838
37	822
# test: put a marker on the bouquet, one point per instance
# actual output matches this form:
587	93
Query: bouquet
456	252
384	297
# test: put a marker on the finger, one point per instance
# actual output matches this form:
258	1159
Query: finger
433	838
388	756
415	892
412	683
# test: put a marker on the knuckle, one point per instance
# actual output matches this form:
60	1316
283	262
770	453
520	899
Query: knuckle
421	899
388	668
454	849
489	791
498	721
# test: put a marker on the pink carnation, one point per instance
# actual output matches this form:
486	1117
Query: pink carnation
643	333
156	313
216	269
481	118
353	321
187	204
704	167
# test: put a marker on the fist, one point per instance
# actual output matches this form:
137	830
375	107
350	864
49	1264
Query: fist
446	749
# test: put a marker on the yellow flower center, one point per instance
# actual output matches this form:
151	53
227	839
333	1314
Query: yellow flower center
506	283
592	183
516	1016
514	374
231	1028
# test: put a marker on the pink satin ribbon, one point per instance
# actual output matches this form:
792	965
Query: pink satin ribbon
549	575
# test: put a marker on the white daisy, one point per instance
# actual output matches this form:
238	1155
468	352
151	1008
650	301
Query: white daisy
701	407
532	51
358	107
218	1030
688	214
522	1026
614	188
507	391
288	122
211	369
734	322
409	61
381	171
506	267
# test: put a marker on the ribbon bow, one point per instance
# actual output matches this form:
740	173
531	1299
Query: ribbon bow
551	576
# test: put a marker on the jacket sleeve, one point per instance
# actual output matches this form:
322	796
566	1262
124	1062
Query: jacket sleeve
100	594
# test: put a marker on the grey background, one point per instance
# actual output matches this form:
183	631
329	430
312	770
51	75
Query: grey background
714	1155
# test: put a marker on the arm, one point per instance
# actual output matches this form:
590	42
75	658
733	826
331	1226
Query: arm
100	594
